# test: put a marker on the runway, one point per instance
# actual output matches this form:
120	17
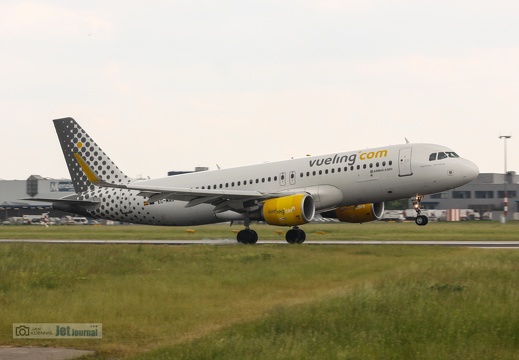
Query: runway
227	242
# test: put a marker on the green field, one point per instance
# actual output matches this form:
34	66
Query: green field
269	301
469	230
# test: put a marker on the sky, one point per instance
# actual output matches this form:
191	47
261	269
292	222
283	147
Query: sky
172	85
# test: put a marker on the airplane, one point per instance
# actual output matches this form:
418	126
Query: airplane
348	186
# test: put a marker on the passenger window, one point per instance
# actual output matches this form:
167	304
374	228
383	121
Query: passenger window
432	157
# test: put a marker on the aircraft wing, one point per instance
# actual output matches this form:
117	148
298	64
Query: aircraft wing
223	200
237	200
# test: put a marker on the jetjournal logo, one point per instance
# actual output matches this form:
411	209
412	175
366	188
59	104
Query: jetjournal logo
57	330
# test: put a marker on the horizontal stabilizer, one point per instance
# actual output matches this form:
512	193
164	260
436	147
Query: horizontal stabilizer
65	201
70	204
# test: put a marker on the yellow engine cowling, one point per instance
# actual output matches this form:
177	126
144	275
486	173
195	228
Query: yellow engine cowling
357	213
288	210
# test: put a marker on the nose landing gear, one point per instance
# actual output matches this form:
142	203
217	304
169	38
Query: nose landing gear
420	220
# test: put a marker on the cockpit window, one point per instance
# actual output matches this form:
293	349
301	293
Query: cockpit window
442	155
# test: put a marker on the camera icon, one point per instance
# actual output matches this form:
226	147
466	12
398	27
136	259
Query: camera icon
22	330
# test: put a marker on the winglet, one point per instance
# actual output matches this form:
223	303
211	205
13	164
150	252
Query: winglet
92	176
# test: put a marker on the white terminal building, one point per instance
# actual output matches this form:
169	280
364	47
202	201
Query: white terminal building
13	191
484	195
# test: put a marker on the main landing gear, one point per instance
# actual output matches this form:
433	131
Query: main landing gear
295	236
249	236
420	220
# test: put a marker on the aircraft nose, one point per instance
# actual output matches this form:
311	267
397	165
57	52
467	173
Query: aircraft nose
470	171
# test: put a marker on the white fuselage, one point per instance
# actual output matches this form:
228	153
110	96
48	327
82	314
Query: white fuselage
334	180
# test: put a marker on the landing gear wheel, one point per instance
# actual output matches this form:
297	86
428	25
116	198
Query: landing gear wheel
295	236
421	220
254	237
247	236
302	236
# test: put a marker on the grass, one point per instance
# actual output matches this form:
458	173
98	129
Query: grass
469	230
433	310
268	301
412	315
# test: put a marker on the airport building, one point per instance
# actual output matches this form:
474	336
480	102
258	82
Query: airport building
13	191
483	195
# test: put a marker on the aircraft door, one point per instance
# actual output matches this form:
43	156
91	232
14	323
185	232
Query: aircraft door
404	162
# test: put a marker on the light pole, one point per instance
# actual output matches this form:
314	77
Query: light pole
505	195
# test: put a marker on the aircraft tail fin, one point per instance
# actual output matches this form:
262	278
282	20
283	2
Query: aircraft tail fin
80	149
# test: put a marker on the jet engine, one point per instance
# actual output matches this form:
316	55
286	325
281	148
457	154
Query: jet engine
357	213
290	210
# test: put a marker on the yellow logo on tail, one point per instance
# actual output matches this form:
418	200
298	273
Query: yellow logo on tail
91	176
